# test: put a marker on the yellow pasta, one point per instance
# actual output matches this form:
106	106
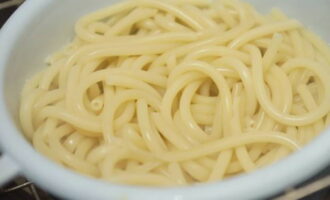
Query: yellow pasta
164	92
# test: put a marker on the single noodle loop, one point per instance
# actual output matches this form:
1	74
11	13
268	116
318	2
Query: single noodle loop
168	92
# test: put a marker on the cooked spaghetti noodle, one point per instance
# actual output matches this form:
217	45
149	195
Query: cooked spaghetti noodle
178	92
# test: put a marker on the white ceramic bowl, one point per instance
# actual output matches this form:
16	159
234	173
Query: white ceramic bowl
39	27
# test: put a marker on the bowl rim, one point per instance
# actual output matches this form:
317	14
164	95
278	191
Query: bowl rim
49	175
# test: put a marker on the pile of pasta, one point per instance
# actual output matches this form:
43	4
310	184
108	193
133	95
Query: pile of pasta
175	92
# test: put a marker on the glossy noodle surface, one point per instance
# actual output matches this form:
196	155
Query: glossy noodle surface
178	92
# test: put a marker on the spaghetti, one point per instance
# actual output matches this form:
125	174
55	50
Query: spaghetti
178	92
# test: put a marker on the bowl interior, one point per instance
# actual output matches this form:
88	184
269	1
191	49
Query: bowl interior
44	33
53	27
